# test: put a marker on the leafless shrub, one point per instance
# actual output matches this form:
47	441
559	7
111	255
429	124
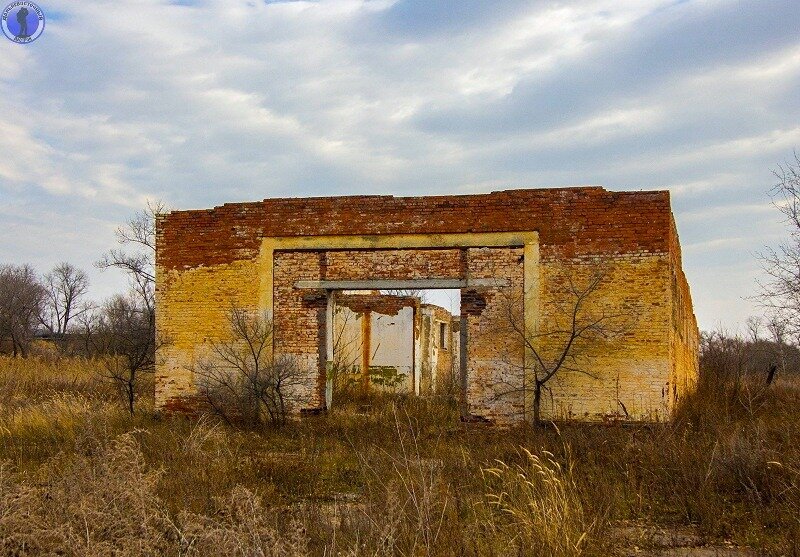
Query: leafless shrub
242	380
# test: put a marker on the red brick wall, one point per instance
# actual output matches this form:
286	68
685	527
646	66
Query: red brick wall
380	303
570	221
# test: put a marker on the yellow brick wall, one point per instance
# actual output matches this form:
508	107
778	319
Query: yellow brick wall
622	373
685	337
192	307
636	374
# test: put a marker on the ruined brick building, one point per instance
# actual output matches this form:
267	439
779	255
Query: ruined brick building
518	257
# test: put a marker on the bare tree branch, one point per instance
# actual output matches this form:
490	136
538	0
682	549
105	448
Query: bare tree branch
128	322
780	291
138	262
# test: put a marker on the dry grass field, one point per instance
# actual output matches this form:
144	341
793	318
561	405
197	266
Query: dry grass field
397	476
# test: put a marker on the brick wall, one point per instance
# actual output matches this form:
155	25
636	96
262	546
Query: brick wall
209	259
623	371
443	360
569	220
684	338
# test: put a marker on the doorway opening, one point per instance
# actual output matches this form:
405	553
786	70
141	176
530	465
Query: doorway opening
393	341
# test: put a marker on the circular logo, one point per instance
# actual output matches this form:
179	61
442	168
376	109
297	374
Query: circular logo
22	21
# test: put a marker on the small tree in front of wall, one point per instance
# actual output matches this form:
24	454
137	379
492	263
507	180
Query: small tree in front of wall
576	321
242	380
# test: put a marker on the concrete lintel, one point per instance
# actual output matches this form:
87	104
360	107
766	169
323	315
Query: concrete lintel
269	245
414	284
401	241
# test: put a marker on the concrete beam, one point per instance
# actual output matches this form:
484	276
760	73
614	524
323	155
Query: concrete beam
413	284
269	245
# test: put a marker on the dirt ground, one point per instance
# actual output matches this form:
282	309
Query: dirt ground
647	540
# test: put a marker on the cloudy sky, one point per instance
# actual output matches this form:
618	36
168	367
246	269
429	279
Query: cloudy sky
201	103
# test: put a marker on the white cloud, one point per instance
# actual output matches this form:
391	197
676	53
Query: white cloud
226	100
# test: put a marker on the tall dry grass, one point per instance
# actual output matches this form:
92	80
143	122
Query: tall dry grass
385	476
535	508
27	381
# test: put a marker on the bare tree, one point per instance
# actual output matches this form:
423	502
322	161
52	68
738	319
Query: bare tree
89	327
780	290
737	370
779	335
128	322
21	300
575	323
729	360
138	261
128	326
243	380
65	287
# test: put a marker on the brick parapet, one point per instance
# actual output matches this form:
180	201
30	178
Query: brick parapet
569	220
